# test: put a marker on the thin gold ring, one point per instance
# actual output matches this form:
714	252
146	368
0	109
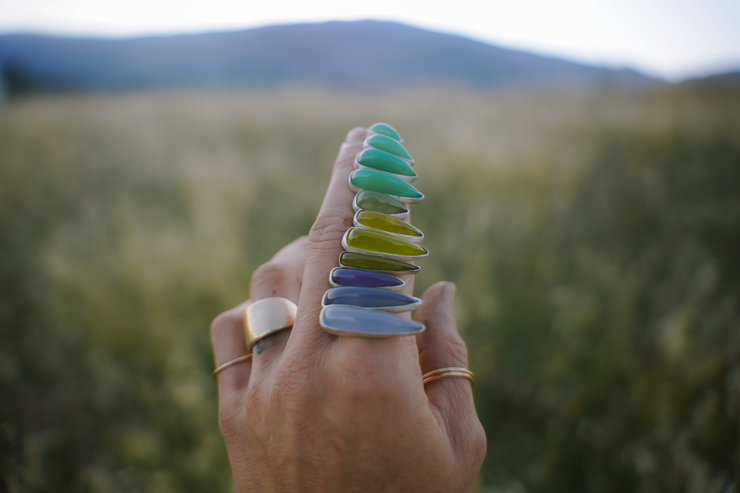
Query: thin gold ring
229	363
447	372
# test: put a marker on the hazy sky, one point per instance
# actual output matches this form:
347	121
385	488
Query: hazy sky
673	39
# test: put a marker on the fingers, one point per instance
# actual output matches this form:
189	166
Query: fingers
283	274
282	277
324	245
440	346
229	342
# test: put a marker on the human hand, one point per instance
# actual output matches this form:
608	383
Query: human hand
313	412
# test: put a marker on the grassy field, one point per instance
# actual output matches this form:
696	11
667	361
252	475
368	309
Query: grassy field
594	239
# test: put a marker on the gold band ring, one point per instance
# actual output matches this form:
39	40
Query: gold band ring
447	372
229	363
267	316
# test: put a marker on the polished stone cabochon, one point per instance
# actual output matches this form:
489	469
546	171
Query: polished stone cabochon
388	224
374	298
344	276
361	322
379	181
376	263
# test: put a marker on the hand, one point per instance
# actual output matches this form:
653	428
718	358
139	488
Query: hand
312	412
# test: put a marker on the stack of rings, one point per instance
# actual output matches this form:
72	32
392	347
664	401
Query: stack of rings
379	247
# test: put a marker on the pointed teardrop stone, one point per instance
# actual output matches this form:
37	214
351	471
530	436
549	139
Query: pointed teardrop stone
388	224
373	298
377	181
344	276
379	243
383	161
388	145
380	202
376	263
387	130
361	322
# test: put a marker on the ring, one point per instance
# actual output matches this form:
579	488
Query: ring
447	372
229	363
267	316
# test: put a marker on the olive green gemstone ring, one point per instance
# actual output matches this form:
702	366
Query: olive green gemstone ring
377	263
377	221
373	242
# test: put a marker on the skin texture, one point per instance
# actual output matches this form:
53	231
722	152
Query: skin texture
313	412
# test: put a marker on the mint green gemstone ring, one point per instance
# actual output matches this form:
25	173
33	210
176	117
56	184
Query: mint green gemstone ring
367	200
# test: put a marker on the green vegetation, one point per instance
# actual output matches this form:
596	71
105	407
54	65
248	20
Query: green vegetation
594	240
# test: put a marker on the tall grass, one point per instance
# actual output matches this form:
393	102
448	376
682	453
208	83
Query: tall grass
593	238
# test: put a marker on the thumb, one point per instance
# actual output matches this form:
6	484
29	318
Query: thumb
440	345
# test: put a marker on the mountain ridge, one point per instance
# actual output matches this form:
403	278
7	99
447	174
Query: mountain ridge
350	55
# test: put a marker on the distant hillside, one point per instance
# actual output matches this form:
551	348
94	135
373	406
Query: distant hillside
727	79
365	54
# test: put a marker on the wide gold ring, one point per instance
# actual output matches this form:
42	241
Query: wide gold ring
447	372
267	316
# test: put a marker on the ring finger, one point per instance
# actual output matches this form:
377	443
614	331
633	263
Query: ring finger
281	277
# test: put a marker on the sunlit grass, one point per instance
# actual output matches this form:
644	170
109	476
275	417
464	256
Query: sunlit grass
592	237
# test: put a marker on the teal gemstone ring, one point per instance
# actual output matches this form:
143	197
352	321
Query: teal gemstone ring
382	161
386	183
384	129
388	145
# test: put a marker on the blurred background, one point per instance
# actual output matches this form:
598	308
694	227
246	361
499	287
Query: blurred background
581	163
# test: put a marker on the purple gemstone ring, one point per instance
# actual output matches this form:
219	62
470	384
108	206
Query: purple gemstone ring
361	278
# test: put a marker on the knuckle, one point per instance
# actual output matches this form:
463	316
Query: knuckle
224	322
269	277
329	226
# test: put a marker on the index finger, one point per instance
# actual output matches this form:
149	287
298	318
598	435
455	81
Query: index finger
325	238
